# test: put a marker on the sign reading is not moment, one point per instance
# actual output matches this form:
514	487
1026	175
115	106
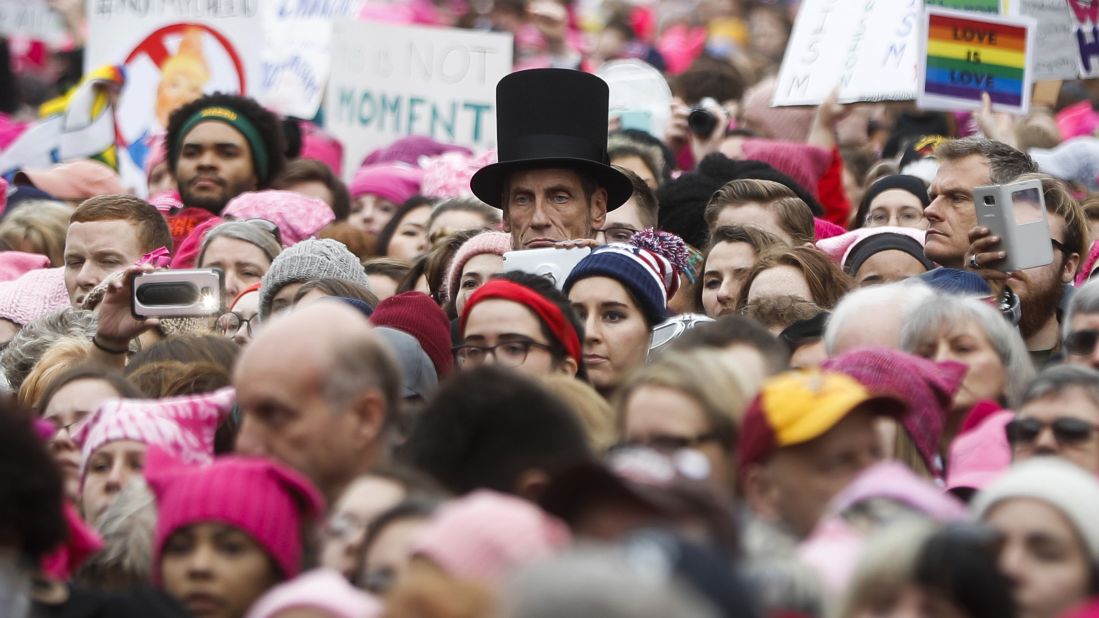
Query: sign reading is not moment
389	81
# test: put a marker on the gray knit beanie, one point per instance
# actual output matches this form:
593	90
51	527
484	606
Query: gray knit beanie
307	261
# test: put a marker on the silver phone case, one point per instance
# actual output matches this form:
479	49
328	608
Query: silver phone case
1028	245
208	282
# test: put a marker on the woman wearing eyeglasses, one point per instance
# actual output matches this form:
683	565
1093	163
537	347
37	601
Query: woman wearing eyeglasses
70	399
687	401
521	321
243	250
240	322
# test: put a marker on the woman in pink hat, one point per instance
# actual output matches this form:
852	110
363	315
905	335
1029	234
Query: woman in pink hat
227	532
377	191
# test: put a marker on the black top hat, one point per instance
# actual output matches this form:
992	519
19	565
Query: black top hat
551	118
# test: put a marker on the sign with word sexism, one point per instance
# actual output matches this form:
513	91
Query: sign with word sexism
867	49
1085	14
391	81
965	55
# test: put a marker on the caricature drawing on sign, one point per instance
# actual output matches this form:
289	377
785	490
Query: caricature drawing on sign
183	76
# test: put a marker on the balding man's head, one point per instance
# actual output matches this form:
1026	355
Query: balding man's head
315	388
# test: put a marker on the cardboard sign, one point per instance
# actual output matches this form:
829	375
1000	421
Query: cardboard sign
173	53
390	81
866	48
297	56
1056	55
33	19
968	54
1085	14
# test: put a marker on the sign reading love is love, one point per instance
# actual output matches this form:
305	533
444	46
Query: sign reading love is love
969	54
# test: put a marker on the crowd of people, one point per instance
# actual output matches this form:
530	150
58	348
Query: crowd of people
772	366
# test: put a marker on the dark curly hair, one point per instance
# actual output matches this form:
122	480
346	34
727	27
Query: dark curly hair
266	122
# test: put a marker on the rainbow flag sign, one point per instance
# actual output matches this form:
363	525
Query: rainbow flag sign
967	54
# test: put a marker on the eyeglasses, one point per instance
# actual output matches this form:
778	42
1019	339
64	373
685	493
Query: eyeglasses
58	428
1058	245
511	353
1081	342
229	323
1066	430
618	233
667	443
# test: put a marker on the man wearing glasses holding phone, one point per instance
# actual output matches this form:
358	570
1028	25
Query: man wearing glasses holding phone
1059	416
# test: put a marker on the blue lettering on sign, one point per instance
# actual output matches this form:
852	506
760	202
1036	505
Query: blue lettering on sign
1088	48
408	115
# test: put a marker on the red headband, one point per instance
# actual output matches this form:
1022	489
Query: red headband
548	312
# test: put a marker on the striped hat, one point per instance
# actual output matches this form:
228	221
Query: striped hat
650	278
184	427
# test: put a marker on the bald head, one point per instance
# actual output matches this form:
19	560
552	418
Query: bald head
315	388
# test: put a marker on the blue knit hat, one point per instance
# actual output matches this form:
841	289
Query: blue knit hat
650	278
956	282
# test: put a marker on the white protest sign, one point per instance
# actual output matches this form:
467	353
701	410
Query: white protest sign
33	19
868	48
1085	14
391	81
173	53
1055	55
297	56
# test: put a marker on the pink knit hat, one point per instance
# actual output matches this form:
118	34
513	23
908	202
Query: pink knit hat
323	589
265	500
395	182
77	180
789	124
34	294
157	153
981	455
926	386
1090	263
298	216
182	426
802	162
318	145
825	229
497	243
3	195
410	149
14	264
485	535
837	248
447	175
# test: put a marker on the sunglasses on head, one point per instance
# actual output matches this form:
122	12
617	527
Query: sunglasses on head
1066	430
1081	342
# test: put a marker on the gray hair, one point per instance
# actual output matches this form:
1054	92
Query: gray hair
599	581
127	528
1085	300
360	363
1005	162
857	304
32	341
1059	378
244	231
943	311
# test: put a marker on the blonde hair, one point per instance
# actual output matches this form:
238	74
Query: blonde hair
38	226
595	414
706	376
58	358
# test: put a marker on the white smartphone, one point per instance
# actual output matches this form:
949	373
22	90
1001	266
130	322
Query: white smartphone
178	293
1016	212
554	264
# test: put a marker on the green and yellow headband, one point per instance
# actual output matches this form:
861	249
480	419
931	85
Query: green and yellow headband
237	120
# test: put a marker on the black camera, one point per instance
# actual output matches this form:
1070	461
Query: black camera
701	121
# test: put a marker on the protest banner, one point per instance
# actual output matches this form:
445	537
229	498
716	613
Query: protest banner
1056	55
33	19
868	49
967	54
1085	14
390	81
297	55
173	52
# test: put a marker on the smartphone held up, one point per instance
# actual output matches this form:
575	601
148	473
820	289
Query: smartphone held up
1016	212
178	293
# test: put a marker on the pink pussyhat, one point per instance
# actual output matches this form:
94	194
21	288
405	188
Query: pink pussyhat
318	145
265	500
298	216
485	535
182	426
34	294
980	455
14	264
325	590
395	182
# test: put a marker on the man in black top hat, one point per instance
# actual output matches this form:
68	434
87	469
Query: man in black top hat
553	181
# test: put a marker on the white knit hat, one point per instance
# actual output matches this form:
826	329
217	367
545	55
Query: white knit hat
1063	485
